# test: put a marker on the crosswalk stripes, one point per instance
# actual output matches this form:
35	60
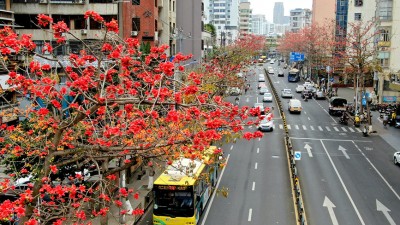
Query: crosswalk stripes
305	127
273	126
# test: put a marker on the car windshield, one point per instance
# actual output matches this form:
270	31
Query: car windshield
267	95
287	91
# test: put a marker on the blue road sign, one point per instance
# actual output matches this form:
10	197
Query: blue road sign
296	56
364	101
297	155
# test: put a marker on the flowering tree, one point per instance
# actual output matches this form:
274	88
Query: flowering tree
117	108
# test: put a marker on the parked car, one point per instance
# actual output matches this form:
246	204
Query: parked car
299	88
261	78
272	61
271	71
266	124
319	94
294	106
286	93
260	105
396	158
267	97
281	74
233	91
263	90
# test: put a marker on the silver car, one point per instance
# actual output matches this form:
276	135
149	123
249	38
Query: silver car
286	93
266	124
267	97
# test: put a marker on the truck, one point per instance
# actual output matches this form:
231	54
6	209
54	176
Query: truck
337	106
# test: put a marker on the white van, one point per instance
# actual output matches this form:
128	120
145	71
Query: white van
294	106
261	78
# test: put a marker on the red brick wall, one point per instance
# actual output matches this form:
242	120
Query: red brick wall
147	11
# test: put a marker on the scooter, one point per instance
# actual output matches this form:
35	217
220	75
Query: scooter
357	121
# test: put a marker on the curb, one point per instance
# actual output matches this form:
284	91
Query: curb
298	202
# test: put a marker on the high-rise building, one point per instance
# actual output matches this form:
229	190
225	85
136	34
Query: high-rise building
278	13
245	17
167	25
299	18
224	15
324	10
258	24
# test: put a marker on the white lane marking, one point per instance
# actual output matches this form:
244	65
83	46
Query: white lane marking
296	126
247	99
304	127
343	184
254	186
312	128
255	166
259	139
308	118
328	139
381	207
358	129
250	212
250	127
328	129
273	126
288	127
377	171
344	129
336	129
305	112
257	99
281	126
340	148
351	129
320	128
329	204
308	148
216	188
231	147
258	150
326	111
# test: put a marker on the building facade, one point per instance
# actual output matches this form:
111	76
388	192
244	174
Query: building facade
279	11
245	14
258	24
224	15
299	18
166	25
324	10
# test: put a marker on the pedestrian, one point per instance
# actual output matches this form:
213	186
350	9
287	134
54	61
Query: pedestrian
245	90
336	91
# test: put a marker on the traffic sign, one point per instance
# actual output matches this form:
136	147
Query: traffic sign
297	155
296	56
364	101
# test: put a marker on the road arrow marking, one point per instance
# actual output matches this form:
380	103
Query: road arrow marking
308	150
328	204
385	211
344	152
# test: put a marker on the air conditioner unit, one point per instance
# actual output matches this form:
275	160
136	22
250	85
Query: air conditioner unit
134	33
84	32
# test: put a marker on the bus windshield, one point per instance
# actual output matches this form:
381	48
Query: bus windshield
293	75
173	203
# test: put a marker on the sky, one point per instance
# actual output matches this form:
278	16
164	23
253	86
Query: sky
266	7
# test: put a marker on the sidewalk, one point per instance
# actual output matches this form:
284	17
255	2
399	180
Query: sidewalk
390	134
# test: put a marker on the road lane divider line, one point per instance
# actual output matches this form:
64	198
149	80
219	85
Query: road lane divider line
343	184
258	150
377	171
215	192
254	186
281	126
231	147
250	214
255	166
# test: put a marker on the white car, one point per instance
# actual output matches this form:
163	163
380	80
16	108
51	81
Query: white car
286	93
266	124
299	88
263	90
396	158
233	91
271	71
272	61
261	78
319	94
267	97
260	106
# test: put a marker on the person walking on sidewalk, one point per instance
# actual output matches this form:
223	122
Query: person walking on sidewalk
336	91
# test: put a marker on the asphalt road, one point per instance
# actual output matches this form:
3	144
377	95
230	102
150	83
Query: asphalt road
256	175
345	178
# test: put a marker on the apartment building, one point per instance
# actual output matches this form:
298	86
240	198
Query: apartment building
166	25
258	24
386	15
245	17
324	10
299	18
224	15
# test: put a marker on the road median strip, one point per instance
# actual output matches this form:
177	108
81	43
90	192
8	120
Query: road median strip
298	202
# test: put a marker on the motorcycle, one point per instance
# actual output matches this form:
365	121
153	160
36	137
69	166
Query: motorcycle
357	121
343	120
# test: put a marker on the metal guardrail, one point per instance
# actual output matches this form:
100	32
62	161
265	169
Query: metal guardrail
295	179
